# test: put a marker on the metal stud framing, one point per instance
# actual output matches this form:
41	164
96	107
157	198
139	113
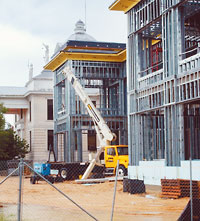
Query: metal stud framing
163	97
108	79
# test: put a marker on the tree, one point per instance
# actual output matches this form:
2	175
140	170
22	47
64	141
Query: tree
11	145
3	110
6	140
20	146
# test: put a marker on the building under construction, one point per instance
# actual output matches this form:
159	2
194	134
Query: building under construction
163	57
101	70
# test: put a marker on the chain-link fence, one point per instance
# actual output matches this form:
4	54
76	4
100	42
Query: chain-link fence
184	188
54	191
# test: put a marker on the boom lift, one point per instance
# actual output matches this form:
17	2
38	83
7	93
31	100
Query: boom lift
104	133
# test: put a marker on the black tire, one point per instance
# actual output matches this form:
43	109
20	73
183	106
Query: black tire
32	179
122	171
64	174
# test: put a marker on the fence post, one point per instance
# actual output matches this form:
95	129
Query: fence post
191	195
114	194
21	164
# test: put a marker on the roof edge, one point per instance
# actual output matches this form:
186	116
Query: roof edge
123	5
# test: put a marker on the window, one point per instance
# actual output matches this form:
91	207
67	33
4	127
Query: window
50	139
122	151
21	113
76	145
50	109
91	140
111	151
30	110
30	141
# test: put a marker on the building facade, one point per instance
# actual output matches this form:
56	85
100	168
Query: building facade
101	69
32	106
163	80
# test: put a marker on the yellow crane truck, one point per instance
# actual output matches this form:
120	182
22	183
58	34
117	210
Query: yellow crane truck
99	165
112	153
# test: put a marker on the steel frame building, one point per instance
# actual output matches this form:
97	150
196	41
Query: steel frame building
163	60
101	69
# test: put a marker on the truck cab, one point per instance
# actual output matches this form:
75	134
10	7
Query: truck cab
114	153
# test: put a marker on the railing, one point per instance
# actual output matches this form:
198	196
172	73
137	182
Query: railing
189	63
61	112
189	53
150	76
110	111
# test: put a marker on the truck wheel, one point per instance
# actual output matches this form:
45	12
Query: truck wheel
122	171
64	173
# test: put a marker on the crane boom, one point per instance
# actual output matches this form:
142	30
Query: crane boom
104	133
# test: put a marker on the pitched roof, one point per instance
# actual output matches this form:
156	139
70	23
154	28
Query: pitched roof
12	91
45	74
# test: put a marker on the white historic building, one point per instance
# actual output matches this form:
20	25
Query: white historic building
33	109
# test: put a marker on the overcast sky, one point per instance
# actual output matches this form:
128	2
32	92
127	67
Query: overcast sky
26	24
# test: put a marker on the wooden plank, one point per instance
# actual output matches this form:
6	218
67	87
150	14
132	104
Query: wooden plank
169	196
100	180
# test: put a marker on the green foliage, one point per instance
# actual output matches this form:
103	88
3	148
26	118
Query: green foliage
11	145
3	110
2	217
6	218
21	146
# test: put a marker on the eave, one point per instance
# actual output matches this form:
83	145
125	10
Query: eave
65	55
123	5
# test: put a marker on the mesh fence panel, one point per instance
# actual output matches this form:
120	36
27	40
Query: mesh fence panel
8	193
43	202
69	200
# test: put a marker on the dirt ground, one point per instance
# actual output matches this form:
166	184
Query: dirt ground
42	202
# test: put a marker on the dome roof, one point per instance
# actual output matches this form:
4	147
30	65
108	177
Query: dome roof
80	33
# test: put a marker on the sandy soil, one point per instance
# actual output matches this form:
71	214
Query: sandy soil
42	202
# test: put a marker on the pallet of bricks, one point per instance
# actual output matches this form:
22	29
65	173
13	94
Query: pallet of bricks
177	188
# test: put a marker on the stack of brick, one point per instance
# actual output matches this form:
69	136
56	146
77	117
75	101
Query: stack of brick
199	189
176	188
